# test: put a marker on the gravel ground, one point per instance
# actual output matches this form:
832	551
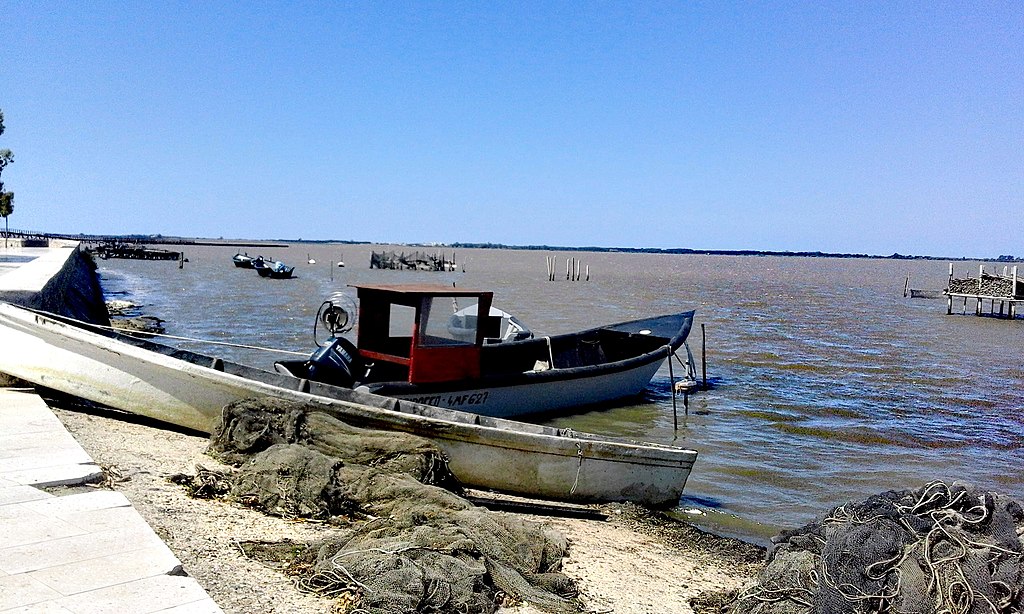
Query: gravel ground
633	563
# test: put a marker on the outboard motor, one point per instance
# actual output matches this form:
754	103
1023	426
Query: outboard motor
334	363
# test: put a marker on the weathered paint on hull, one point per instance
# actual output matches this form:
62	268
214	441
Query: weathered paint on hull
540	396
483	452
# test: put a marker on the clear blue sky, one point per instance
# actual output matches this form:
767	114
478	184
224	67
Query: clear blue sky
872	127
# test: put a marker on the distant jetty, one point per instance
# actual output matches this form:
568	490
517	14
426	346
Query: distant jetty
1005	288
132	251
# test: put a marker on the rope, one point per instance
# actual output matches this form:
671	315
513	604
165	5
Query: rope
194	340
963	553
576	482
142	334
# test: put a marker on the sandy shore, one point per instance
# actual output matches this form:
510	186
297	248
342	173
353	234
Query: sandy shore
632	563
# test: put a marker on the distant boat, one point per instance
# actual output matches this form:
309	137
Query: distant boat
273	268
243	261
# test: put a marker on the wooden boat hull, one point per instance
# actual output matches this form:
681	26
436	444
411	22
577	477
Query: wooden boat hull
582	376
529	395
189	390
279	273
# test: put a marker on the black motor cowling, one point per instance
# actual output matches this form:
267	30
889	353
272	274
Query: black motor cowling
334	363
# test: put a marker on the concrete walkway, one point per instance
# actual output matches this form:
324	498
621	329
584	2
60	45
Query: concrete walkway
87	552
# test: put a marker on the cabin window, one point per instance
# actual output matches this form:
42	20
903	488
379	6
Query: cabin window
401	321
448	320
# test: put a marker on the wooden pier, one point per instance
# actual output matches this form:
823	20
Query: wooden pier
1005	288
134	252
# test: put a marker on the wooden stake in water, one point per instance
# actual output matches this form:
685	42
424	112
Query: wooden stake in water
672	386
704	354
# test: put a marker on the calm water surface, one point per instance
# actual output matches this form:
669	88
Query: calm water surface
828	384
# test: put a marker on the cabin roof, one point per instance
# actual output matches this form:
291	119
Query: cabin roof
420	289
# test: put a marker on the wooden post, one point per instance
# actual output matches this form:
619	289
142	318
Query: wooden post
588	272
672	385
906	286
704	354
949	303
181	260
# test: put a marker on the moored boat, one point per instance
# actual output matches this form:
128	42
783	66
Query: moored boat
272	268
243	261
411	346
190	389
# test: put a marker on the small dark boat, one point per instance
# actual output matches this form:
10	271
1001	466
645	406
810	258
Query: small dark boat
410	345
243	261
273	268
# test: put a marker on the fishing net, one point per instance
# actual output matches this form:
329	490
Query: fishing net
404	544
940	549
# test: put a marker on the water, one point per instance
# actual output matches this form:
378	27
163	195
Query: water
828	384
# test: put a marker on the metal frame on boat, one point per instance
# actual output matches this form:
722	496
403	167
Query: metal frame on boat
190	389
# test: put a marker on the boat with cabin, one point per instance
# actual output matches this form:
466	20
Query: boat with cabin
414	342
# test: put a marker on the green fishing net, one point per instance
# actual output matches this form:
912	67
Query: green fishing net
406	542
942	549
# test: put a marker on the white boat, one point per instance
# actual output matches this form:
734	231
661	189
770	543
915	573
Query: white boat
463	324
189	389
411	346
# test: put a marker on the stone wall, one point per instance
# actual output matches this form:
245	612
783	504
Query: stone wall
73	291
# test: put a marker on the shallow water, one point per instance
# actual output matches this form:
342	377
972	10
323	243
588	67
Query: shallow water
828	384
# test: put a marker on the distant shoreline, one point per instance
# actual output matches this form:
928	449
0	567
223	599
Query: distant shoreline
219	242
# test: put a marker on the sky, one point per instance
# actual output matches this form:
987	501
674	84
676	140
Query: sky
853	127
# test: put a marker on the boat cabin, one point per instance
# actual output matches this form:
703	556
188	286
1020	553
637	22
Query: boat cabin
423	333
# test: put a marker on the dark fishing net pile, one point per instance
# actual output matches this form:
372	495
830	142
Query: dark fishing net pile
404	543
941	549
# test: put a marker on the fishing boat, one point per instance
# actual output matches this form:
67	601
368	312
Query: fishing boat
415	343
190	389
273	268
243	261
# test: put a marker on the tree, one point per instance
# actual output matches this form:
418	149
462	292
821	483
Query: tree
6	208
6	198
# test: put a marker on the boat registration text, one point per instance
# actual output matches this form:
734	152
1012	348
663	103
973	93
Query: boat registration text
452	400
